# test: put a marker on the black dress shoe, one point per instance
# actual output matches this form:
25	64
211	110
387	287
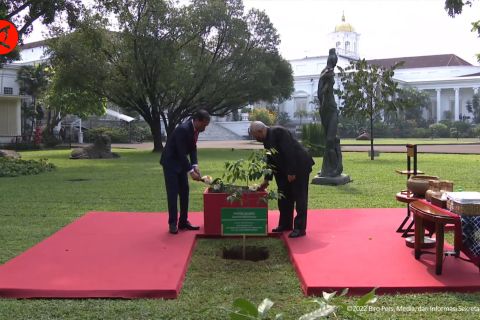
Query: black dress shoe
187	226
173	229
297	233
281	229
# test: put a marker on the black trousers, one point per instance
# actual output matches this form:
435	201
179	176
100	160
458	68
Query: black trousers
295	195
177	187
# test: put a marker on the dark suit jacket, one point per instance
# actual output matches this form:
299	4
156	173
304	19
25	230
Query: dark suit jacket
179	145
291	157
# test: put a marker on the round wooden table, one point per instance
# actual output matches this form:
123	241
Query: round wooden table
424	212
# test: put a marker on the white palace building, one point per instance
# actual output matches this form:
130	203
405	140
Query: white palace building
450	80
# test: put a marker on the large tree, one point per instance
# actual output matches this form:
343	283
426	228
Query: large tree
411	102
367	91
455	7
474	108
62	100
168	61
33	81
23	13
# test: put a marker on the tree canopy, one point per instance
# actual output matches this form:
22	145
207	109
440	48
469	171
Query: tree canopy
23	13
167	61
367	91
455	7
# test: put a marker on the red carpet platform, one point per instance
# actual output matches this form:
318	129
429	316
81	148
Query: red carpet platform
118	255
359	249
131	255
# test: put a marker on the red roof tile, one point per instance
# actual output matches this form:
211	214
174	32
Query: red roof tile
440	60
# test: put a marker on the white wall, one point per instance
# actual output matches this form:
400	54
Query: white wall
8	77
9	118
238	127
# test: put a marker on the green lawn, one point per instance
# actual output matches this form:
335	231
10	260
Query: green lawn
403	141
34	207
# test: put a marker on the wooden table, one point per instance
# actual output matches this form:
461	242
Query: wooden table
423	212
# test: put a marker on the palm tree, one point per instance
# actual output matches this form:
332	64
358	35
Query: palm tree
33	80
301	113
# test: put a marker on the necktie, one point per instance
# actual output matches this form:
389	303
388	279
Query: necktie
195	136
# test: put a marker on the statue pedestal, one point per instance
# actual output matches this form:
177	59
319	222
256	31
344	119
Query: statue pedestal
332	181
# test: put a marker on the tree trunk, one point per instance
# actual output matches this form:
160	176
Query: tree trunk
372	154
156	129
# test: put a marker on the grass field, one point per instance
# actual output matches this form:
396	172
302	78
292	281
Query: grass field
34	207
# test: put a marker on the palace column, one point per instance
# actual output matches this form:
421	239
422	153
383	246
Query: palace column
457	105
439	114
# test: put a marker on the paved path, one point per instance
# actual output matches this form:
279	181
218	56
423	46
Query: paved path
248	144
439	148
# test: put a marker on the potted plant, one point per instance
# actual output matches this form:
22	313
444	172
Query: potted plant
238	187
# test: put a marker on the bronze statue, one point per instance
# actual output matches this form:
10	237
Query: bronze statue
332	157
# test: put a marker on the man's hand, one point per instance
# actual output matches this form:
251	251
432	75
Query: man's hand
291	178
197	170
195	176
263	186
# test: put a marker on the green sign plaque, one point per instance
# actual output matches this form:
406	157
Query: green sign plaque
244	221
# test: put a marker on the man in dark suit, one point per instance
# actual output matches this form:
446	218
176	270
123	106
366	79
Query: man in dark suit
181	144
291	165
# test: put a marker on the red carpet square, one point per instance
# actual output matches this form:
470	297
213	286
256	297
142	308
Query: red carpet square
359	249
116	254
131	255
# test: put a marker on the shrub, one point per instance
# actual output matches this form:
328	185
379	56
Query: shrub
283	118
421	133
117	135
476	131
381	130
439	130
50	140
240	176
140	132
18	167
313	139
461	129
267	117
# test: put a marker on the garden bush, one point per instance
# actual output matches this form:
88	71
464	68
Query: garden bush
476	131
421	133
50	140
140	132
313	139
460	129
439	130
267	117
18	167
117	135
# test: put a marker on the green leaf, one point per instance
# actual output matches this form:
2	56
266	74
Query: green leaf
246	306
240	316
367	298
319	313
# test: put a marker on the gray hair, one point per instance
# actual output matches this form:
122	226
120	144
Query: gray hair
257	126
